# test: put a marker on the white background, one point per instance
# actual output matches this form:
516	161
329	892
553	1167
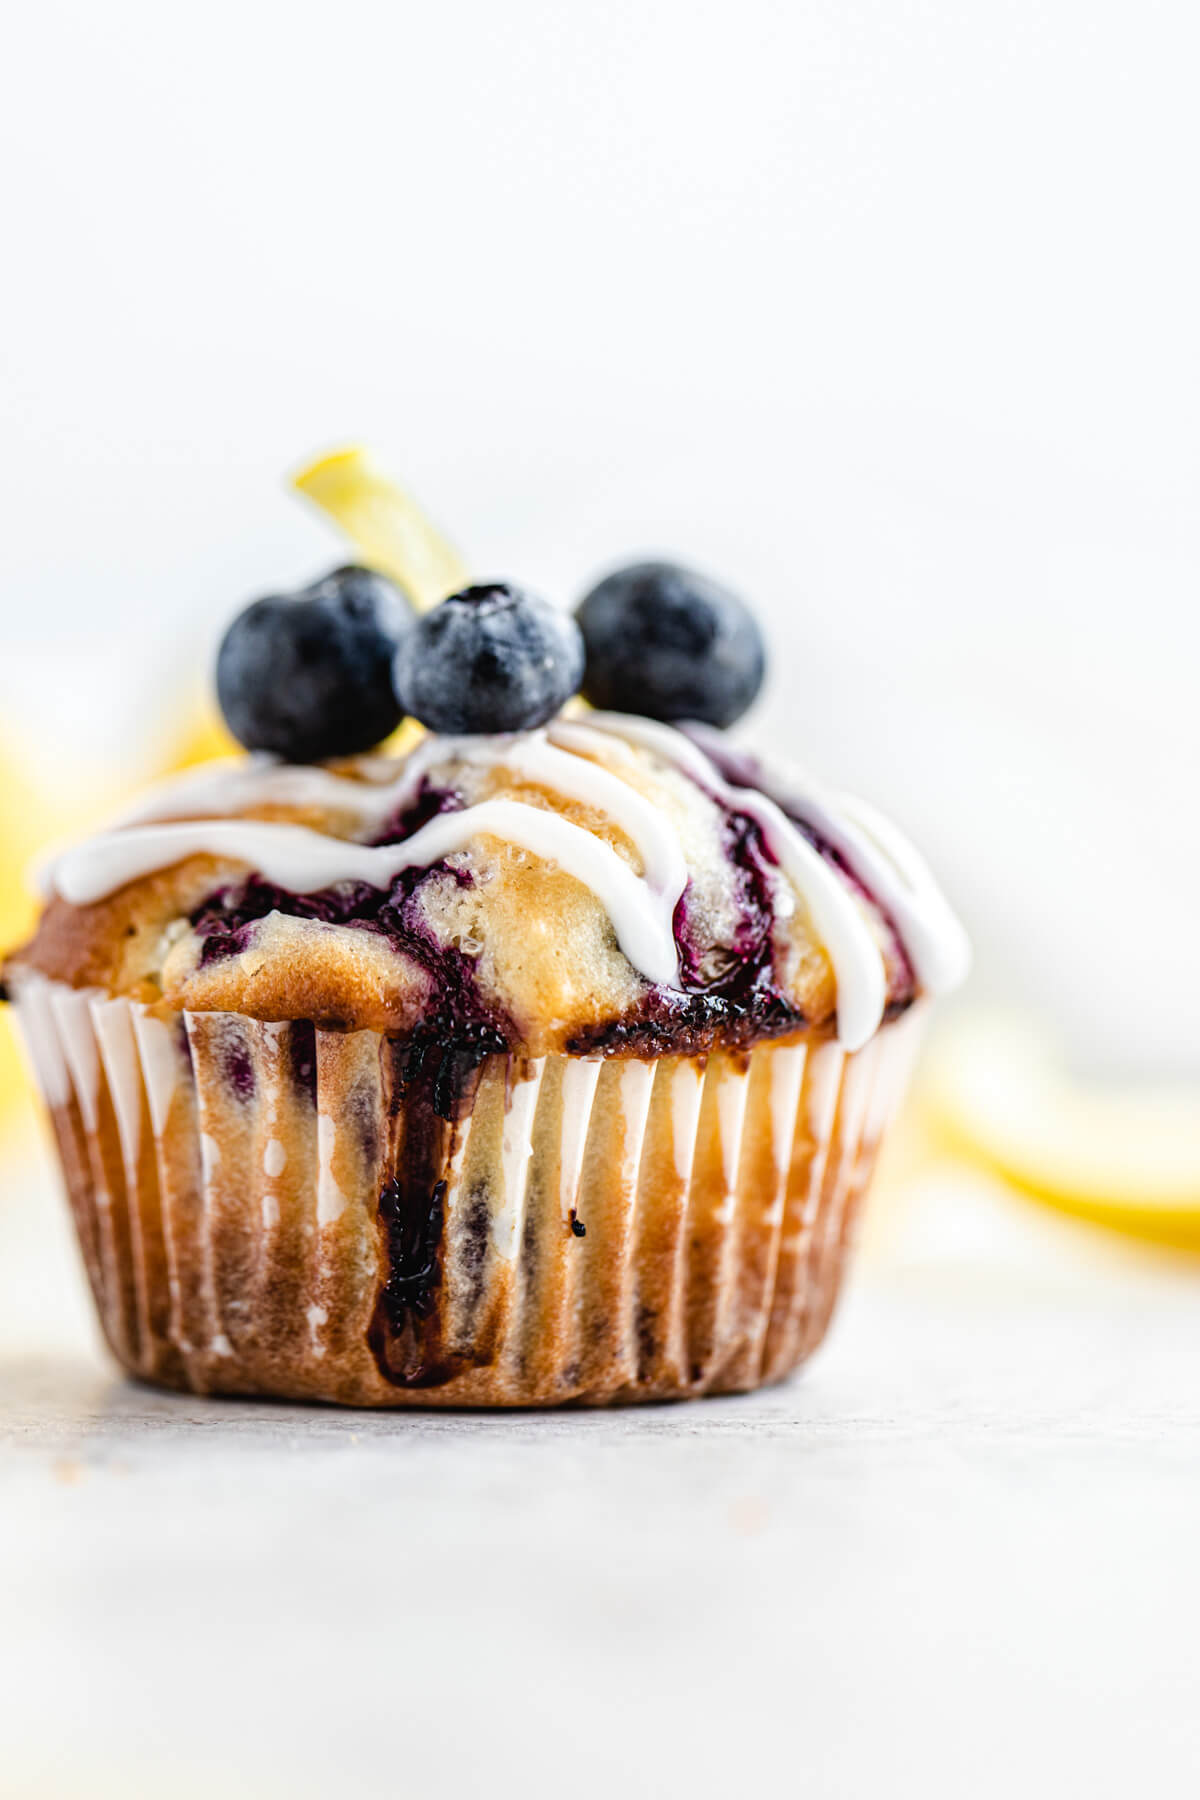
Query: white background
887	312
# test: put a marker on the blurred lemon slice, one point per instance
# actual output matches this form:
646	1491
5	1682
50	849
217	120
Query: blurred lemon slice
388	527
23	829
1125	1157
26	819
203	739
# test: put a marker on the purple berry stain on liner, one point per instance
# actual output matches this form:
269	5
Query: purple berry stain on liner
239	1071
430	1080
302	1057
414	1236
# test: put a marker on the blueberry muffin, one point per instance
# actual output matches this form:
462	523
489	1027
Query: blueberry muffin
546	1062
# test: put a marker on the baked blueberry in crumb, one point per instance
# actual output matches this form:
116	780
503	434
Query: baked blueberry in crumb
308	675
239	1071
490	659
666	642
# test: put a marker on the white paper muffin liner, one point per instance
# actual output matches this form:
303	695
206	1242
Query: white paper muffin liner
587	1230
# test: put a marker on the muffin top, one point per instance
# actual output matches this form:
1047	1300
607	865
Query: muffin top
600	884
526	878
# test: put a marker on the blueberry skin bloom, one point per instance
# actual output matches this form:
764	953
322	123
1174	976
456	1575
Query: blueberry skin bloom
489	659
670	644
309	675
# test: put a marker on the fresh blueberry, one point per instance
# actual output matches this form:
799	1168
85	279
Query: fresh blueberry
670	644
492	658
309	675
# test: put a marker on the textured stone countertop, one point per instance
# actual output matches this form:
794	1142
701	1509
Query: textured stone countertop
957	1556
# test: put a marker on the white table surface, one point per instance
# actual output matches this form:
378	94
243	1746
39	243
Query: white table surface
958	1556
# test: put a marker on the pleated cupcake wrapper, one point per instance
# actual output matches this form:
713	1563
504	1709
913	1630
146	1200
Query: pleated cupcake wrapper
589	1230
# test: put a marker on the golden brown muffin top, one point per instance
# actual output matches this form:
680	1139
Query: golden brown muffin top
597	885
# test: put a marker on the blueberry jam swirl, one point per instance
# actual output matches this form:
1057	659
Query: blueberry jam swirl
225	919
730	991
225	923
429	802
745	770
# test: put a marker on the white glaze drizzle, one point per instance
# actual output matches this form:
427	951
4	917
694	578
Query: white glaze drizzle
559	759
304	861
588	740
875	850
229	784
840	923
226	791
932	934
